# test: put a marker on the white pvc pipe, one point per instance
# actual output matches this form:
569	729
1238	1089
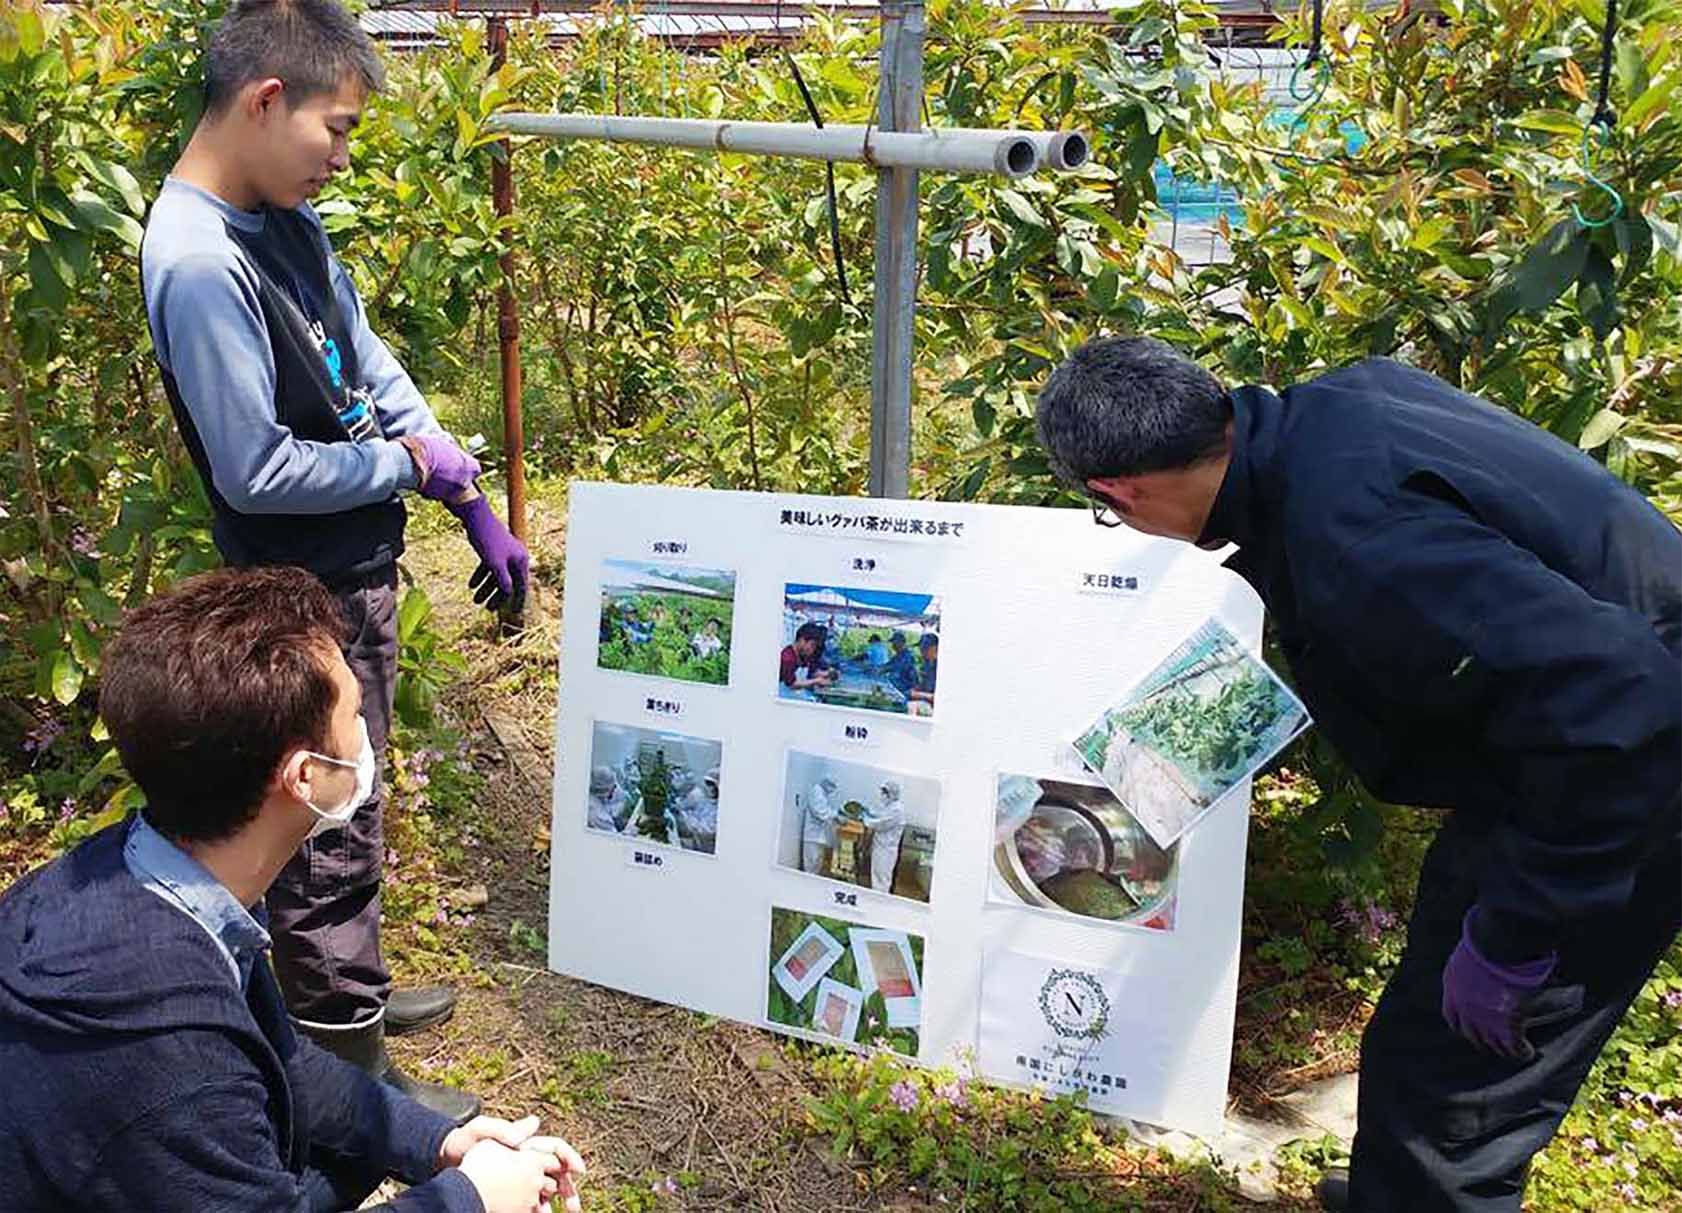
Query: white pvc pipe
1061	150
1007	153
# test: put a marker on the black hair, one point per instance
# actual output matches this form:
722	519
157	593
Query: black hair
208	686
1123	406
309	45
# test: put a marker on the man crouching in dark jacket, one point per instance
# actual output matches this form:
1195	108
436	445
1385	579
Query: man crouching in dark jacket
1482	619
147	1059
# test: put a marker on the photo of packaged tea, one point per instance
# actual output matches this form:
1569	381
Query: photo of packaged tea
838	1009
844	981
886	965
805	961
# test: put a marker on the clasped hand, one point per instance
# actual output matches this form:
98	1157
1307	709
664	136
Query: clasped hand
512	1168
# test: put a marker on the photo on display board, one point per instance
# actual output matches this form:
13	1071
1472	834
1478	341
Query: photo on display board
1198	724
859	824
1074	849
886	965
804	962
838	1010
868	650
817	964
667	620
648	785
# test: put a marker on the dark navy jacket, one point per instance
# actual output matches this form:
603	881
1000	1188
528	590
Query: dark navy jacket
1479	617
134	1075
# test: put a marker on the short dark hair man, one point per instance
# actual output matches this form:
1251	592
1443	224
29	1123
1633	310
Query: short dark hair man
804	653
148	1060
920	695
1482	619
900	671
305	431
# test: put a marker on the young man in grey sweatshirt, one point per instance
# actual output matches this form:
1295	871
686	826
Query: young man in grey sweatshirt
306	431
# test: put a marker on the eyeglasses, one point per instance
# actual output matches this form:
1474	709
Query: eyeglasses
1103	513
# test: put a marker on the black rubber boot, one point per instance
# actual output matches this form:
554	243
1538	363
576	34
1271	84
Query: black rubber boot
423	1007
1333	1190
364	1047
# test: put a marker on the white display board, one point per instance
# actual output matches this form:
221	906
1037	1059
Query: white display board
1043	620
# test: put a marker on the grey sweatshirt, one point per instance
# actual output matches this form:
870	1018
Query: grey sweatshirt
201	296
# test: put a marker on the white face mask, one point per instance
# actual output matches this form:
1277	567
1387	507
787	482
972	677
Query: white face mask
336	818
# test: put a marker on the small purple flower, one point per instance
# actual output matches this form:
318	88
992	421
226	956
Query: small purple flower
390	857
1638	1124
1627	1191
1591	1145
904	1095
953	1093
38	739
1673	999
67	810
1369	920
664	1187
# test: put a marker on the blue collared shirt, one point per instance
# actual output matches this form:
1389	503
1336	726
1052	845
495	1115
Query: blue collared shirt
181	880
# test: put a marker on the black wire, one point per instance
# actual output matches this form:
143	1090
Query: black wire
828	166
1314	38
829	182
1603	109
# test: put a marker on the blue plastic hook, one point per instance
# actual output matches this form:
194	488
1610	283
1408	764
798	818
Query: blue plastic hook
1604	126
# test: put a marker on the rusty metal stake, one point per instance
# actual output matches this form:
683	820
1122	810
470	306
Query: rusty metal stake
507	315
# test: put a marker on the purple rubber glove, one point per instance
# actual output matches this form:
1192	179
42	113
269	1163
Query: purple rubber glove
446	471
504	563
1482	999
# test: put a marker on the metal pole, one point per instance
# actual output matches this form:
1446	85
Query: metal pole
899	108
507	317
